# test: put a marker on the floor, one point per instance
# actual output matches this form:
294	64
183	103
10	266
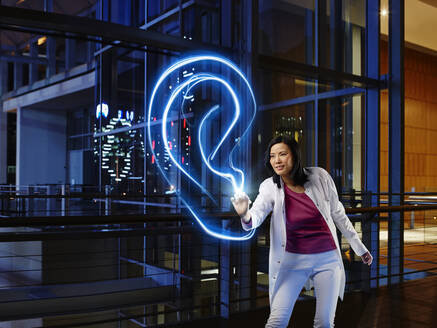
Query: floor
410	304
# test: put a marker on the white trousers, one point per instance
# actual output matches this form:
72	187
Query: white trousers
324	269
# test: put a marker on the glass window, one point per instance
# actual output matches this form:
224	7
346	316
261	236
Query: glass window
156	8
278	86
74	8
120	89
286	29
339	140
341	35
294	121
121	156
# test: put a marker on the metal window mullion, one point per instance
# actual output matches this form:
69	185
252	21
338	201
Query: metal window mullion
372	138
396	139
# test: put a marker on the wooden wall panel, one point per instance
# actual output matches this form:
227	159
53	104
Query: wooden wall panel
431	142
383	163
431	116
420	121
430	165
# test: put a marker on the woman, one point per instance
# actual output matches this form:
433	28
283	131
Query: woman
303	239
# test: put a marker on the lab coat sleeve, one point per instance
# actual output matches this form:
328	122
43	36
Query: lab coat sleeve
261	207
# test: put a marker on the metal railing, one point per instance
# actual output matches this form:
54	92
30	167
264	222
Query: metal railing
151	269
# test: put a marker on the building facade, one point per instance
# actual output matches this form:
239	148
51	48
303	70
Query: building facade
77	80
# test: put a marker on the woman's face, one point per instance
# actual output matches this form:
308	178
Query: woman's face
281	159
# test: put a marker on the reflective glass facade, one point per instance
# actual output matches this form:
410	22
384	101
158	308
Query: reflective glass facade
77	84
106	126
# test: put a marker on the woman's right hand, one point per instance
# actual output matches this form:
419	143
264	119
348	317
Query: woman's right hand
241	205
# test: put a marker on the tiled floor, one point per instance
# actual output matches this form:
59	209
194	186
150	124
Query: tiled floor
410	304
421	257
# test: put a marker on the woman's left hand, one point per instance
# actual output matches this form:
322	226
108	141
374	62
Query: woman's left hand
367	258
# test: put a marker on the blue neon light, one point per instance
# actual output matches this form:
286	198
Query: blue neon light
191	79
102	109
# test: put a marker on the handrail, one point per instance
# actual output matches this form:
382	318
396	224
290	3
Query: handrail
83	195
39	221
383	209
78	228
20	194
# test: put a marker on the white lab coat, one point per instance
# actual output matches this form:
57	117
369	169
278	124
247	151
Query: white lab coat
322	191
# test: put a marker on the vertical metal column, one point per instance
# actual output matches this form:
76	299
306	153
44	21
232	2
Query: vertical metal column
334	105
348	109
3	78
30	202
51	56
372	136
247	257
65	191
33	67
225	264
18	75
309	89
3	146
316	84
50	45
3	123
70	54
225	275
51	202
396	139
249	55
108	200
145	143
18	147
336	35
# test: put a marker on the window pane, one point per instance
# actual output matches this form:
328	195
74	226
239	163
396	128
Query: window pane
341	35
294	121
339	140
286	29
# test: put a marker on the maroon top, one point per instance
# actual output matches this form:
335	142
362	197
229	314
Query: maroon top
307	231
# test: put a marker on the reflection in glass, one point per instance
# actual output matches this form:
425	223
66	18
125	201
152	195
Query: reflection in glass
339	140
278	86
294	121
341	35
286	29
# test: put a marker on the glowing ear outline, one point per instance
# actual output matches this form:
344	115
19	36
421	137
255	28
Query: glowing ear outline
197	79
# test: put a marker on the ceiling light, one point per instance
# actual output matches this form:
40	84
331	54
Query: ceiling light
384	12
41	40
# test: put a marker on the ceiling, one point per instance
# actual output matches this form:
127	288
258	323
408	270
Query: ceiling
420	22
11	40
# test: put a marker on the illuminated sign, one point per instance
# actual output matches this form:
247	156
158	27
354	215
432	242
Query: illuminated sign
102	109
167	96
116	149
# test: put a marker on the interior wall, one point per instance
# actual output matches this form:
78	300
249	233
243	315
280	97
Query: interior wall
420	121
41	147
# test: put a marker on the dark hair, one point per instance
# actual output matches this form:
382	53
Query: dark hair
297	174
